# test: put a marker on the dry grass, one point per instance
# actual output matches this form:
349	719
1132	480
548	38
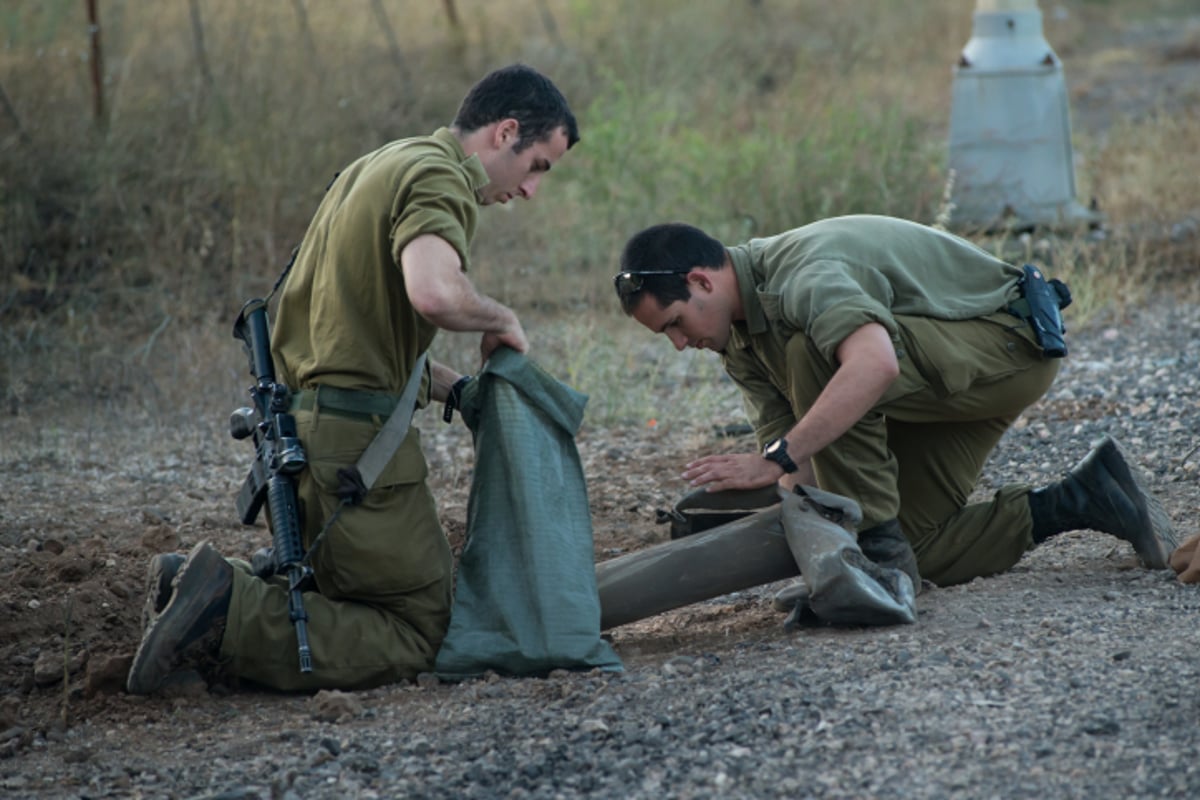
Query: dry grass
126	247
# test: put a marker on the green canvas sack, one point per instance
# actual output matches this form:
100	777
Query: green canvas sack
525	600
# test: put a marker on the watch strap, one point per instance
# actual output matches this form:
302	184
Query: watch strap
777	451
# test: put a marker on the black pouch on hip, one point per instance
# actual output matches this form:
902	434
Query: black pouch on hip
1045	300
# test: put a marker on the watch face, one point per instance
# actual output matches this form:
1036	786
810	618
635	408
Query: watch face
773	447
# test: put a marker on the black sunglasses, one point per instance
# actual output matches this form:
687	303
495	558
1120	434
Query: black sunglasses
628	283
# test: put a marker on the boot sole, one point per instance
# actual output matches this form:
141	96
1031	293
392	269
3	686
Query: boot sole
1155	542
161	646
160	574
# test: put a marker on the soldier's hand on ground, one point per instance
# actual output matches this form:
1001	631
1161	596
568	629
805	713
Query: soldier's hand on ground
1186	560
732	471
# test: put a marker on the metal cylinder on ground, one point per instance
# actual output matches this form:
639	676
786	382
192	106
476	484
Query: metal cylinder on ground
738	555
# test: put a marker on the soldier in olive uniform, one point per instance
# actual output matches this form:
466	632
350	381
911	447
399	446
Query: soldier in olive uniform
382	268
882	360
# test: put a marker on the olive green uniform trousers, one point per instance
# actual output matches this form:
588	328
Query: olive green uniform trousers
383	575
918	454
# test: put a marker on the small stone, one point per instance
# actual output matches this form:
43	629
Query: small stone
106	674
593	726
76	755
48	669
331	705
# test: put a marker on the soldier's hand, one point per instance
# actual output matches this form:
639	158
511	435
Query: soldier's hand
1186	560
513	337
732	471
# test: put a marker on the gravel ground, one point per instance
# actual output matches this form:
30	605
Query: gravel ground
1073	675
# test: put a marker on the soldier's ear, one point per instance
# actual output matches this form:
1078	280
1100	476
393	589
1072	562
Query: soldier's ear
700	279
506	133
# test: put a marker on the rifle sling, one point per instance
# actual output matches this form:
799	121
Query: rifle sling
381	449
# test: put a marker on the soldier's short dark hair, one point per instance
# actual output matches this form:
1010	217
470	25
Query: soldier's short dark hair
660	257
521	93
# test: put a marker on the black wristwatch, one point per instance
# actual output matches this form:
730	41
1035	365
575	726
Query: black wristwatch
777	451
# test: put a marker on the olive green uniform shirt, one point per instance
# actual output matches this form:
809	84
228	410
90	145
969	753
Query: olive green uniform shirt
344	316
828	279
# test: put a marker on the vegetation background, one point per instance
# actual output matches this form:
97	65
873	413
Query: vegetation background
157	169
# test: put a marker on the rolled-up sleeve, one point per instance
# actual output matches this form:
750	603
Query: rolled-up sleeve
829	300
438	202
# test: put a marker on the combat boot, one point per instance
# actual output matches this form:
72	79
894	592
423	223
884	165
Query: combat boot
160	573
1102	493
190	627
886	545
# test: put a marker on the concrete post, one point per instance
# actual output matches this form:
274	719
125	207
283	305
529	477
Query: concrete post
1010	131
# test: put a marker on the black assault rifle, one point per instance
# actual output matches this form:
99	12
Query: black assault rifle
278	458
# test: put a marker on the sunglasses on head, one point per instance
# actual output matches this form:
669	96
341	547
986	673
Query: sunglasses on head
630	282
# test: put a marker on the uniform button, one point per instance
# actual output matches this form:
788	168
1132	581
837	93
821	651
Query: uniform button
1011	346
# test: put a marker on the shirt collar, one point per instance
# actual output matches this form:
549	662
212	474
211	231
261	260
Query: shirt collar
476	174
747	281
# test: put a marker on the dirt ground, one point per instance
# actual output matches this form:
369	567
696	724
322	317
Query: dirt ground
83	513
85	501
